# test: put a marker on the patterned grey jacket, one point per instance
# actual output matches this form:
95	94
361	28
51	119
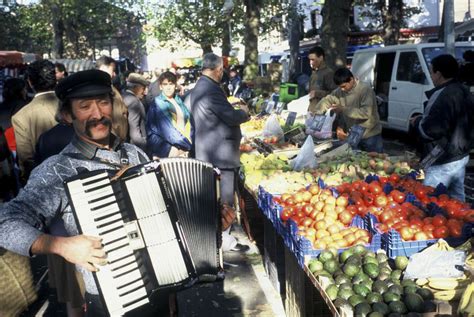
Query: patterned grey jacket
43	200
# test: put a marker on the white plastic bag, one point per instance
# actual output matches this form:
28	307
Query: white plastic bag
435	263
273	128
322	125
305	157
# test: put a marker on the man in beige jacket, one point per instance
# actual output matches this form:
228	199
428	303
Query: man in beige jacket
38	116
355	103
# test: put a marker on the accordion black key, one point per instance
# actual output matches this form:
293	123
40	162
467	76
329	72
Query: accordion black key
160	224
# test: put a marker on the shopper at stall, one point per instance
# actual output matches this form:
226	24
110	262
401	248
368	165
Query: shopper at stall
217	132
446	126
168	124
321	82
355	103
60	70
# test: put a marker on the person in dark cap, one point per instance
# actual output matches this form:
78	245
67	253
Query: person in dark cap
25	222
133	97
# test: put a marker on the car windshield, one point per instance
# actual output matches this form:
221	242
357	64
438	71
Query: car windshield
431	52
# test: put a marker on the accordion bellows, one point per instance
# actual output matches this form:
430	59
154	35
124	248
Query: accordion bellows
160	225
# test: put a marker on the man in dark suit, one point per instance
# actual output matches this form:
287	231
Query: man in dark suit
217	132
133	96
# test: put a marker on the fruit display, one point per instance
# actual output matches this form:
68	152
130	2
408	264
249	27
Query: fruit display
280	182
257	161
350	167
370	284
253	127
322	218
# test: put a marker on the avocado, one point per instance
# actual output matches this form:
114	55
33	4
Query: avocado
370	254
379	287
362	309
345	293
401	262
375	314
381	308
359	249
414	303
332	291
397	307
340	302
408	283
356	299
371	269
315	265
325	255
361	289
390	297
412	314
374	298
342	278
382	257
397	289
351	269
354	259
410	289
360	278
426	294
396	274
368	259
331	266
345	286
345	255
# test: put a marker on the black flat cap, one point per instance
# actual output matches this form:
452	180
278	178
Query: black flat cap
87	83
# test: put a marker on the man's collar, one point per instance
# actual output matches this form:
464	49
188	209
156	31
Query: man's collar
205	76
43	93
89	150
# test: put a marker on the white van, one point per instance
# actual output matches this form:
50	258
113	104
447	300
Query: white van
400	76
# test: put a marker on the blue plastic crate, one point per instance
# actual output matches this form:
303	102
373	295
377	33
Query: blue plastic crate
394	245
305	248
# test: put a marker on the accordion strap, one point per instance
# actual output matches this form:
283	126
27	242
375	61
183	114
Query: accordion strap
124	162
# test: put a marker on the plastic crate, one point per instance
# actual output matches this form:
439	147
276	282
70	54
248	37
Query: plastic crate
304	248
394	245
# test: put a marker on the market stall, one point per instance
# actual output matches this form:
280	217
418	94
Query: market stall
356	234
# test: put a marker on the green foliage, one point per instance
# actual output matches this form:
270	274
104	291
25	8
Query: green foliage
82	25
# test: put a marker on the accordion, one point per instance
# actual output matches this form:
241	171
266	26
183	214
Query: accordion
160	226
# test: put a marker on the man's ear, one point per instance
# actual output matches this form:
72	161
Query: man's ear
67	117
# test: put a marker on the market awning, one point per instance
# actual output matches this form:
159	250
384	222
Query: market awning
10	58
75	65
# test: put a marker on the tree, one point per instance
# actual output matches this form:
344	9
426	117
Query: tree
392	16
335	29
252	28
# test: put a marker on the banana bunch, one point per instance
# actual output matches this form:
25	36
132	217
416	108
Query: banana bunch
446	289
466	303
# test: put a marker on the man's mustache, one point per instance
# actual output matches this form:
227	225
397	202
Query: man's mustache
92	123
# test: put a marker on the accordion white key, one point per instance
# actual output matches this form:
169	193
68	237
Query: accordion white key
160	224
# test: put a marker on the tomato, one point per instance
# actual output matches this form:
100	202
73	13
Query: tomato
352	209
455	231
381	200
385	216
428	227
345	217
441	232
427	220
420	192
438	220
406	233
375	188
383	180
394	178
469	217
369	199
397	196
414	220
420	235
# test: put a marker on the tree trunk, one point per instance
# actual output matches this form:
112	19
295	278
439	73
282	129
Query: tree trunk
58	30
252	25
443	22
393	22
206	48
226	39
335	28
294	66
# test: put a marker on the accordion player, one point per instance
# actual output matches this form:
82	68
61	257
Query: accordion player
160	227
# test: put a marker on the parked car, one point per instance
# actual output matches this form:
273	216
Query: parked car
400	76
